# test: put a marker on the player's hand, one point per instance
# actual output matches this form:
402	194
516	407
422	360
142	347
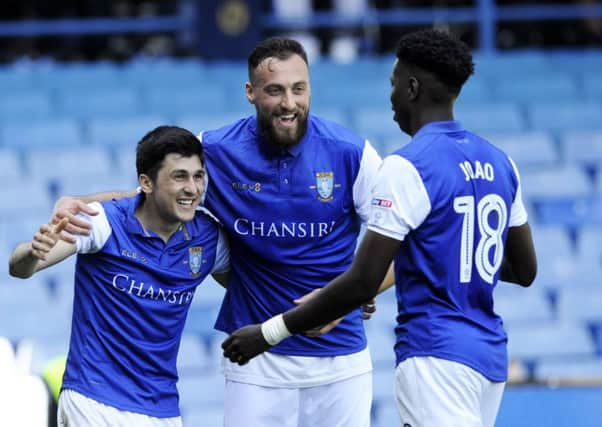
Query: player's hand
318	330
46	238
368	309
244	344
69	207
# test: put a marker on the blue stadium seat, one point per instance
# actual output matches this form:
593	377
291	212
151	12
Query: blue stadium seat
375	123
583	147
123	132
14	80
386	415
81	163
381	342
476	90
192	355
571	372
529	150
97	75
592	84
568	182
563	116
573	212
29	200
201	391
207	416
11	170
491	118
389	145
554	245
336	115
589	244
550	341
51	134
165	72
209	293
383	386
25	105
92	102
544	87
517	305
580	303
346	92
196	123
174	102
511	65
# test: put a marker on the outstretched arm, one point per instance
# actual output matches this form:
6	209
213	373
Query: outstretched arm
357	285
44	250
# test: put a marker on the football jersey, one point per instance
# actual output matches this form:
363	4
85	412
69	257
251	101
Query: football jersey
132	295
292	216
450	197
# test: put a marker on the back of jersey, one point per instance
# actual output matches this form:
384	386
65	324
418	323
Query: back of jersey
449	263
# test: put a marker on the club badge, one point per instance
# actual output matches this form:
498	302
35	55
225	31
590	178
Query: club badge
195	260
325	185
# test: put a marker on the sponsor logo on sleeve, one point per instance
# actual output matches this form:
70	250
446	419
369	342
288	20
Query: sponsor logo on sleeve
382	203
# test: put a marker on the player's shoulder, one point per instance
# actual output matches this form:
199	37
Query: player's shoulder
336	133
241	129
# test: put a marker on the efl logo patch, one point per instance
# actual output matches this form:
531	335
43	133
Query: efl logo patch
195	260
382	203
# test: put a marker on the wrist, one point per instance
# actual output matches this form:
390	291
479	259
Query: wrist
274	330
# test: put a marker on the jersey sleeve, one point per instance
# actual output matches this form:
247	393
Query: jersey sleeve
518	213
222	254
362	187
99	234
400	202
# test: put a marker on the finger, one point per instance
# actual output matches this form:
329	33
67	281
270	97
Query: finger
43	239
72	229
60	226
83	207
67	238
78	221
227	344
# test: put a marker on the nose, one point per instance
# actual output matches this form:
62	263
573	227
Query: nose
288	101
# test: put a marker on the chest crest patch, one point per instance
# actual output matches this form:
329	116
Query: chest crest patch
195	260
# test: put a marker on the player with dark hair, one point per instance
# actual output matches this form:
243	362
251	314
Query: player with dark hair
447	208
292	191
135	276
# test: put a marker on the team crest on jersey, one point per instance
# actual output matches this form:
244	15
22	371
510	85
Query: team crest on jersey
325	185
195	260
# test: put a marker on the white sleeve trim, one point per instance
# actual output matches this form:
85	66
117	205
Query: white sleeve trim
400	202
518	213
222	254
362	187
99	234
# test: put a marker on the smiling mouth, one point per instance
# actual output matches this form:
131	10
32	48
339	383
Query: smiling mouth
287	120
187	203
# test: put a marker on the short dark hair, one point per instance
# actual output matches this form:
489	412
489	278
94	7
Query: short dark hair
275	47
161	141
437	52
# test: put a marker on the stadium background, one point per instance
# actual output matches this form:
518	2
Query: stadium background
81	82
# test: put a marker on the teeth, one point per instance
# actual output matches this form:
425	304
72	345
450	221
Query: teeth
185	202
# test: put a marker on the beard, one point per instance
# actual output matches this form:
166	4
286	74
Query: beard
273	137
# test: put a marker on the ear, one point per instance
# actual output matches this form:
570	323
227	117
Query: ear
413	88
145	183
249	92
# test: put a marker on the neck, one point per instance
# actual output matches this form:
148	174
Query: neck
439	113
150	220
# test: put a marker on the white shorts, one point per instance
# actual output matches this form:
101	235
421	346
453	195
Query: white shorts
344	403
436	392
77	410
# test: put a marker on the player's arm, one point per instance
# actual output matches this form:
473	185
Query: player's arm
520	262
69	206
358	284
46	248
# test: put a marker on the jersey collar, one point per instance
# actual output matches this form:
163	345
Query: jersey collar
440	127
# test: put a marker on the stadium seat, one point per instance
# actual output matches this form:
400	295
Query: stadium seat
381	342
477	90
196	123
529	150
586	371
589	244
206	416
554	245
517	305
564	116
584	148
174	102
566	182
14	80
11	170
80	76
375	123
123	132
580	303
386	415
543	87
93	102
26	105
346	92
62	132
164	73
592	85
209	293
572	212
201	390
76	163
550	341
28	201
491	118
192	356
